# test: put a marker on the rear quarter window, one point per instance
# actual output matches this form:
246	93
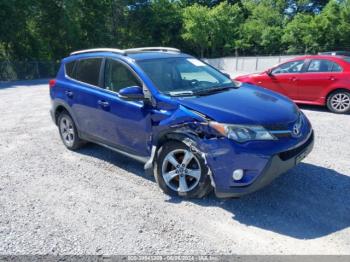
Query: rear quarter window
69	67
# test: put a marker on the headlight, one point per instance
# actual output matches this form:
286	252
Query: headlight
242	133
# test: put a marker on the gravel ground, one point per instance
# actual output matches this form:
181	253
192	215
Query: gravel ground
95	201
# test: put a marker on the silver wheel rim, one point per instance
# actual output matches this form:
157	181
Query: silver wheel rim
340	102
67	131
181	170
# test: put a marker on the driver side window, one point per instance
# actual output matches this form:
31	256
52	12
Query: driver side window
118	76
289	68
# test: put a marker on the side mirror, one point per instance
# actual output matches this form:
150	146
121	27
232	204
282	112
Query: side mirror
269	72
132	93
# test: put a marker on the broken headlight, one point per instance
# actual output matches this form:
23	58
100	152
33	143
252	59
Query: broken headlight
242	133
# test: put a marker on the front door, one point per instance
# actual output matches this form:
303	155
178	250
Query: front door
124	124
284	78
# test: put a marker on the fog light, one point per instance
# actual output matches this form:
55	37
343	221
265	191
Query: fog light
238	174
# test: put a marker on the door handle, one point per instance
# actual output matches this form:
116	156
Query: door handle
69	93
103	103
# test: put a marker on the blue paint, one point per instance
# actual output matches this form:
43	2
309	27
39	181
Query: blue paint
135	126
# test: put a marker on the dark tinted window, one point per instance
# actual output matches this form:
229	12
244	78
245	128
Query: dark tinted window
118	76
69	68
88	70
323	66
289	67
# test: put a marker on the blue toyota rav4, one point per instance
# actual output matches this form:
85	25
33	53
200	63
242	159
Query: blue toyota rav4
193	127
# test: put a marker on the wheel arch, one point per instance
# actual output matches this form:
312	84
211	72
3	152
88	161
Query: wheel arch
335	89
61	106
189	138
59	109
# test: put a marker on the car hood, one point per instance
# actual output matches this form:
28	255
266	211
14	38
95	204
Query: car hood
245	105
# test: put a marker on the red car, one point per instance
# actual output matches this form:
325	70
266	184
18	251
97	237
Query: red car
314	80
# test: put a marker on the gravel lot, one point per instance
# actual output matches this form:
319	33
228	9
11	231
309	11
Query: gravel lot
95	201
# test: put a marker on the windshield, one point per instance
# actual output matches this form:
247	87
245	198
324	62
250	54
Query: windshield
183	76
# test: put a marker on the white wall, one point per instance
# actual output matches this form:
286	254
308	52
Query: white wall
233	65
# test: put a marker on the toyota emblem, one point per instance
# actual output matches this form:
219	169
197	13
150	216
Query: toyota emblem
296	129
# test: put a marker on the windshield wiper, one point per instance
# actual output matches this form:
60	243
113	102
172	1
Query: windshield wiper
181	93
209	91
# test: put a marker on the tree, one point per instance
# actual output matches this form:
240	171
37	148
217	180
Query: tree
344	26
197	27
300	34
50	30
262	30
226	20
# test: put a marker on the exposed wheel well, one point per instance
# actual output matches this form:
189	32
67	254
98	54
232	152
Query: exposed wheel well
179	137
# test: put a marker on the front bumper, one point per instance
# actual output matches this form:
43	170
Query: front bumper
260	171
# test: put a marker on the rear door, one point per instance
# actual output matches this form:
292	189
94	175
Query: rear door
284	78
318	76
85	86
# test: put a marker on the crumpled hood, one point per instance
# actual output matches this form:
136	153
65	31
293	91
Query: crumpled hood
246	105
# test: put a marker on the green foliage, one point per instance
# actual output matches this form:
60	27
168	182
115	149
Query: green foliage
328	30
49	30
197	26
261	32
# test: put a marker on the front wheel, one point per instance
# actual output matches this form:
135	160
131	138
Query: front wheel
182	172
339	102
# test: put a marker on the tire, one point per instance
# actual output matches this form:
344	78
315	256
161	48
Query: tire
179	176
68	131
339	102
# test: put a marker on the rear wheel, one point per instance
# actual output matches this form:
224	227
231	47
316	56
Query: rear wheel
68	131
182	172
339	102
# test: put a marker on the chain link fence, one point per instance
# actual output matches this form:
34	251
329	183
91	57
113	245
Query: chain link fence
19	70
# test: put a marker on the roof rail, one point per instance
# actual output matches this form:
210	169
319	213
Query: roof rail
113	50
127	51
159	48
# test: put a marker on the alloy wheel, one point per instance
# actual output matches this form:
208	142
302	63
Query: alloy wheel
67	131
340	102
181	170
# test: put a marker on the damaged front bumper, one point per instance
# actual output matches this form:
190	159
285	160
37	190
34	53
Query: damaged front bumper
260	169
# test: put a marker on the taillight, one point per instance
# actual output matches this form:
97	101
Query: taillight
52	83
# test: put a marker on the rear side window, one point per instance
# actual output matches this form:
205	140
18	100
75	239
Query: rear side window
88	70
319	66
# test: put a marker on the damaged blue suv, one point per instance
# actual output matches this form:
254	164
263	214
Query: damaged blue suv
193	127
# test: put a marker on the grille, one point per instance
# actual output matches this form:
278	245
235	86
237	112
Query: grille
286	155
